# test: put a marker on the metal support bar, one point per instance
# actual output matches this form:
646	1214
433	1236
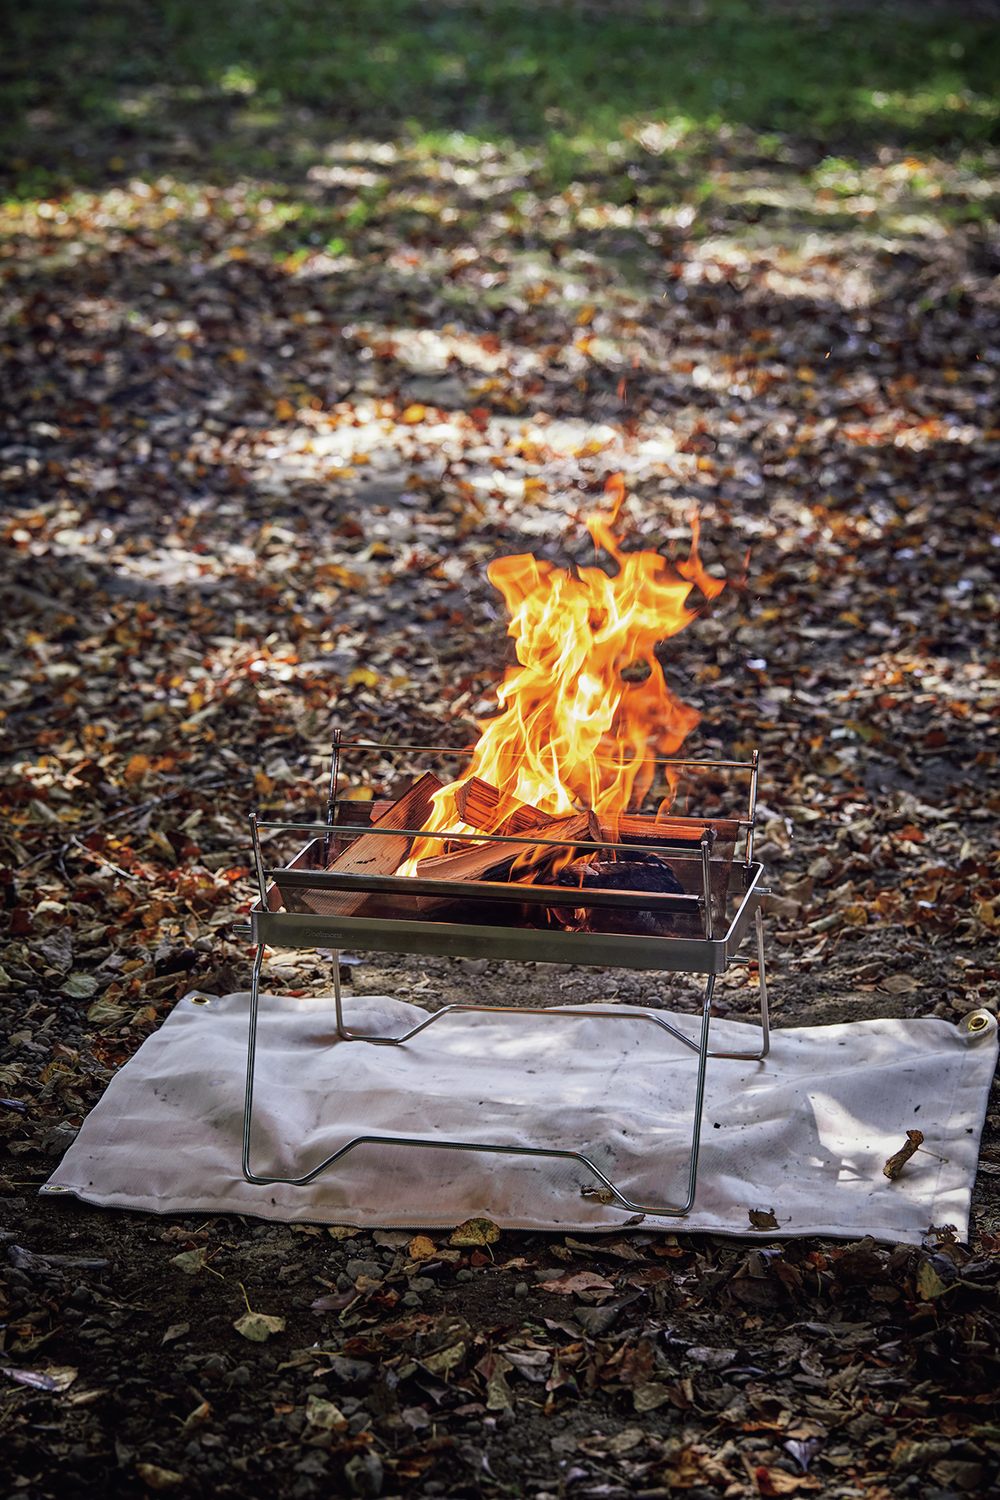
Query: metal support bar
519	893
331	801
258	861
526	840
701	1047
654	760
754	776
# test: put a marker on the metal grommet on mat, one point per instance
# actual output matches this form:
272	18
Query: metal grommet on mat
978	1023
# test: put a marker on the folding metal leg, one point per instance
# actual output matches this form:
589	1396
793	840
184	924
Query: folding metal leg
765	1023
606	1191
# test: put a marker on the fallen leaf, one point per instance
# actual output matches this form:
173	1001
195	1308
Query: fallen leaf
650	1396
899	984
762	1218
957	1474
494	1368
930	1284
803	1450
334	1301
777	1482
106	1013
361	677
324	1416
87	1398
625	1441
421	1248
444	1360
258	1327
191	1261
157	1478
55	1378
578	1281
80	987
391	1239
197	1418
175	1331
136	769
531	1363
475	1232
896	1163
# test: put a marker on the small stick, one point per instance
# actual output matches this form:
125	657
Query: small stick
914	1143
894	1166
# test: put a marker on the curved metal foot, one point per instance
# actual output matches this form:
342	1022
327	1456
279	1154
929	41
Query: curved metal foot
607	1186
542	1010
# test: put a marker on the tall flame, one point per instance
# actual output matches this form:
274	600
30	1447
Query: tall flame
587	706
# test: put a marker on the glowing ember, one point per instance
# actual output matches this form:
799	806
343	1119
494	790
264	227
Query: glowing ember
587	707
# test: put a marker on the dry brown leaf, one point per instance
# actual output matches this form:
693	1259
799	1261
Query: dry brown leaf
324	1416
136	769
475	1232
777	1482
157	1478
896	1163
579	1281
900	984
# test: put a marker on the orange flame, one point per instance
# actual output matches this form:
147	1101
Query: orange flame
587	707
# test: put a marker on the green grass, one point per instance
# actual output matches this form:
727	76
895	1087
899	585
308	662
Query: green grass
75	79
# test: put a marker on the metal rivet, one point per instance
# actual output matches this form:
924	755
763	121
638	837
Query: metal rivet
976	1023
200	1000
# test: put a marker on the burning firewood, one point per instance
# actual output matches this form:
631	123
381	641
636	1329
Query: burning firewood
578	731
477	803
375	853
587	710
524	819
476	861
650	874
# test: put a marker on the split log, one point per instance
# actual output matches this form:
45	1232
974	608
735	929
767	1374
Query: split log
475	860
477	803
359	814
524	819
630	874
630	828
374	853
649	874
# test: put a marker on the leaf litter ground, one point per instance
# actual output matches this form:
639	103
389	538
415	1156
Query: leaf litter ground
253	480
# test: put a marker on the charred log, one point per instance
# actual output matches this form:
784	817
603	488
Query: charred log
651	874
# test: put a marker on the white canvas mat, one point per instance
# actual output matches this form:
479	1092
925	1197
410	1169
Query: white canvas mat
805	1133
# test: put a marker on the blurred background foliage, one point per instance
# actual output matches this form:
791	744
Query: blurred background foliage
87	91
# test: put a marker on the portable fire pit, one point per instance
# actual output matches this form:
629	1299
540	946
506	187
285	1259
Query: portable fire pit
638	891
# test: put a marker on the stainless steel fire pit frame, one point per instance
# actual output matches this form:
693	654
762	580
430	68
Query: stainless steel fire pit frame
707	955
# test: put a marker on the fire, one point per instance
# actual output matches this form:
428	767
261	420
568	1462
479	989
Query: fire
587	707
